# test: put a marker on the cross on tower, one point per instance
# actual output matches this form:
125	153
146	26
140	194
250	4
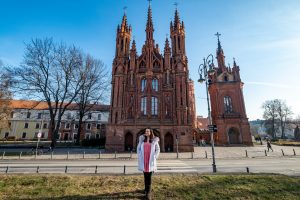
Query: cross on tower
218	35
124	8
175	4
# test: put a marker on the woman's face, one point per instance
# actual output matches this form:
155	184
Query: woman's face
147	132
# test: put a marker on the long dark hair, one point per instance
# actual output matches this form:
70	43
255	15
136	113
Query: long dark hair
151	135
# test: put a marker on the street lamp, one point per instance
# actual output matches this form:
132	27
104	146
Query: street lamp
205	70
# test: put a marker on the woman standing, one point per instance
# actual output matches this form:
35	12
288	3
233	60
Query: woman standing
148	151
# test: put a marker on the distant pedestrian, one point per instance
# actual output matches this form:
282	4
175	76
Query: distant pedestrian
148	151
203	142
269	145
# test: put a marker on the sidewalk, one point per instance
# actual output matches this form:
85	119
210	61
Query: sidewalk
199	153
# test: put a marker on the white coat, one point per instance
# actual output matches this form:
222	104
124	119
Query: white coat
155	150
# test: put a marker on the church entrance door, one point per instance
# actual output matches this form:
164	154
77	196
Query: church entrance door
128	141
234	136
169	142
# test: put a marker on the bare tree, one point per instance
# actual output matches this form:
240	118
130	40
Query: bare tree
5	97
270	115
94	89
284	116
50	73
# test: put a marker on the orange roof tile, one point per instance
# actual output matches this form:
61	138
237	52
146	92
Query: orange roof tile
38	105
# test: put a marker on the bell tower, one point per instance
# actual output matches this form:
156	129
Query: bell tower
119	69
227	103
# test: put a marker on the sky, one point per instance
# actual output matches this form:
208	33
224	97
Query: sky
262	35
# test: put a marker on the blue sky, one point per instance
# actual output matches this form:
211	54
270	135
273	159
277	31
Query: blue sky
262	35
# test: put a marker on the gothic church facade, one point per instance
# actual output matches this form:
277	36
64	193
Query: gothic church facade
151	90
227	103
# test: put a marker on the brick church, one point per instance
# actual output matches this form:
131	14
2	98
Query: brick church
151	90
227	103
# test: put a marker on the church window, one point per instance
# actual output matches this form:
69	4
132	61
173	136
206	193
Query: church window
144	105
225	78
178	43
228	104
155	84
122	45
143	84
154	109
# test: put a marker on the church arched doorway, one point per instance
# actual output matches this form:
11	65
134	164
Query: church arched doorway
128	141
156	133
169	142
234	136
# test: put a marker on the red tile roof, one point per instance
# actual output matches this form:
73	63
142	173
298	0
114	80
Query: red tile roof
38	105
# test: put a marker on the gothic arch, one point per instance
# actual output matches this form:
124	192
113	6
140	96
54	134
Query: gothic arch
169	142
119	69
234	136
128	141
156	64
142	64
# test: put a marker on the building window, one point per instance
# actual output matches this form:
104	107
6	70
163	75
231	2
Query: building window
155	84
12	115
28	115
67	126
144	105
26	125
88	126
98	126
43	135
39	115
45	125
87	136
90	116
76	126
23	135
154	103
69	116
77	115
143	84
6	135
228	104
99	116
37	125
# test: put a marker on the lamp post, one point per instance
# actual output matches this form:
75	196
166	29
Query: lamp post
205	70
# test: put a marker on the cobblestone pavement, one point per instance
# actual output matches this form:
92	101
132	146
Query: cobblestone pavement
199	153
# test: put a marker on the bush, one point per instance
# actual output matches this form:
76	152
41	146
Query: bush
93	142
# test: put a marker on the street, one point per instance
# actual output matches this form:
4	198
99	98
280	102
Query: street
283	165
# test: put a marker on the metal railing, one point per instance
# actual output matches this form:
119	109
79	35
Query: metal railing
203	154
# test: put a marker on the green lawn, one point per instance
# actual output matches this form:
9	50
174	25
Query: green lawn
189	186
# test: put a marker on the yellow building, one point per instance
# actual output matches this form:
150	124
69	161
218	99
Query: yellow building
26	120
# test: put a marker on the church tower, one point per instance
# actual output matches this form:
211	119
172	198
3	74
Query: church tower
227	103
151	90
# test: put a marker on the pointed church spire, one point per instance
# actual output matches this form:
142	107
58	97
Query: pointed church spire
234	63
149	26
219	50
149	19
124	26
176	18
133	47
220	54
167	46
